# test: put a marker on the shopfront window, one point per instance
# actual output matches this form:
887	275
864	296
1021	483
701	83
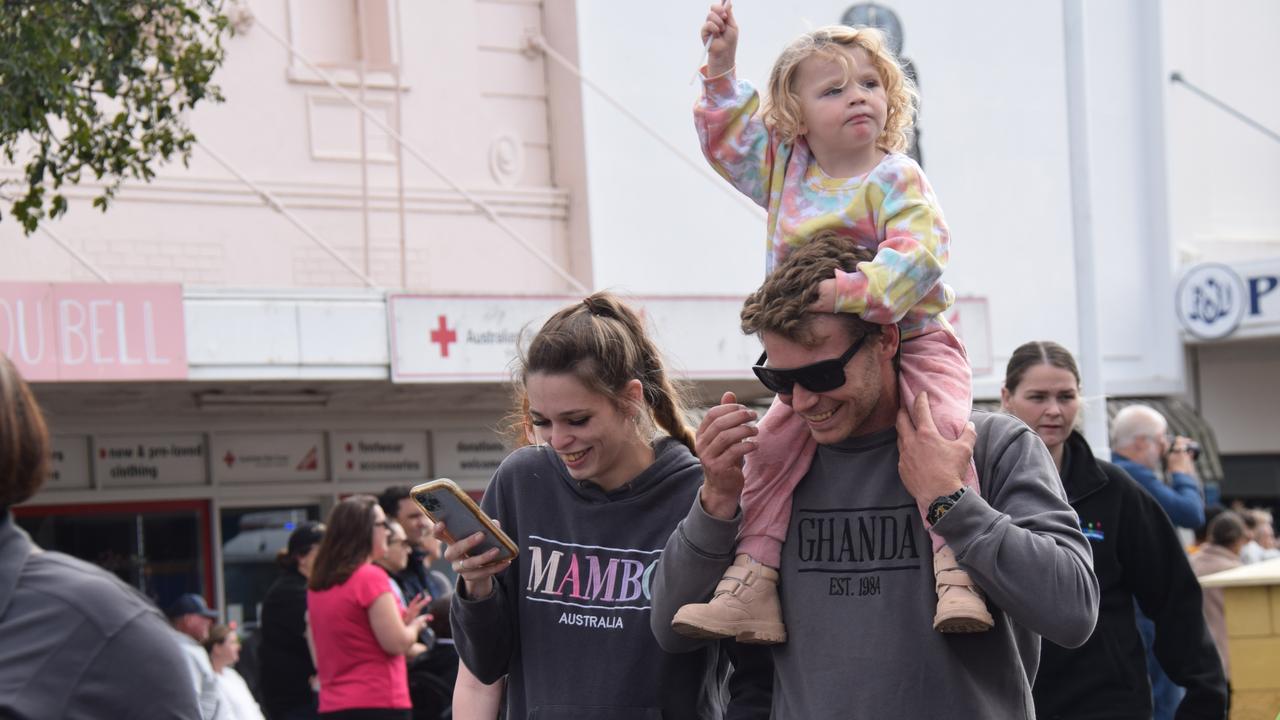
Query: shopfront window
156	547
251	539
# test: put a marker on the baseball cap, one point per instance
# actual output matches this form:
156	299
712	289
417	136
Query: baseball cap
190	604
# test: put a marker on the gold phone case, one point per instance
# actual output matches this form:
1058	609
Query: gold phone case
443	501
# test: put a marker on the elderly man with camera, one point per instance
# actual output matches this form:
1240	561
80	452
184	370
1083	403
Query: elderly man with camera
1142	445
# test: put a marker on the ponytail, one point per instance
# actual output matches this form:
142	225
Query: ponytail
602	342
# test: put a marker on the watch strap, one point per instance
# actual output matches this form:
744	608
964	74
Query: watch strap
941	505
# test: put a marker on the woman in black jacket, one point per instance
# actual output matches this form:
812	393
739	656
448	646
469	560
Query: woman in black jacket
284	658
1136	556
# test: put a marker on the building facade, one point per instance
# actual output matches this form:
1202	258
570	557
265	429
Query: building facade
328	299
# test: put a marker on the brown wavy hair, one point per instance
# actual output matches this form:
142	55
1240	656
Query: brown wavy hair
601	342
836	42
781	305
347	543
24	439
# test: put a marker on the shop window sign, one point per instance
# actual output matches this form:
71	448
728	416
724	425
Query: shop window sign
1215	301
101	332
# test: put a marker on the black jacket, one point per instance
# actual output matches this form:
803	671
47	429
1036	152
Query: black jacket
284	659
1136	556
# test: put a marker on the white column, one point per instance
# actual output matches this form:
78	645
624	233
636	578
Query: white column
1089	354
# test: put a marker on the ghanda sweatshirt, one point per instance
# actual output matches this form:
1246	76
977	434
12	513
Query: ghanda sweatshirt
568	622
857	585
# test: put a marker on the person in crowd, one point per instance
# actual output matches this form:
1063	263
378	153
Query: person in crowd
433	663
1261	532
223	646
191	619
590	507
1202	533
1142	446
417	577
286	670
858	586
1222	552
429	691
432	675
1137	556
825	154
75	641
360	631
393	563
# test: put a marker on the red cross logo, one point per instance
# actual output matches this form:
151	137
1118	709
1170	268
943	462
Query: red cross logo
444	336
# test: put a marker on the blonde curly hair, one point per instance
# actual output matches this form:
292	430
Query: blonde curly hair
837	42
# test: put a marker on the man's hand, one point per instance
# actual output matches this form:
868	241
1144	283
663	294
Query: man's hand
1179	460
724	439
930	465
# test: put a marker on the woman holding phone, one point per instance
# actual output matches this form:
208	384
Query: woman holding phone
360	630
591	507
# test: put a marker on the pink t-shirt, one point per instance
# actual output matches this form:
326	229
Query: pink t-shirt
354	670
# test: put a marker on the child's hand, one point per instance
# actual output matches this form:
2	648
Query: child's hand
826	302
722	29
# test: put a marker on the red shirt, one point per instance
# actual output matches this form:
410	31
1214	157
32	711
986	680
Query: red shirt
354	670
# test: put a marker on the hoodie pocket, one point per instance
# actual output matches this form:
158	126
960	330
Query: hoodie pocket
597	712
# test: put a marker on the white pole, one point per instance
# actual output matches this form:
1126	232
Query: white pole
73	253
1089	355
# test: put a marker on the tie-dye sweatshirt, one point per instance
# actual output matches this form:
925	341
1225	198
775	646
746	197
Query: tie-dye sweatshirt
891	209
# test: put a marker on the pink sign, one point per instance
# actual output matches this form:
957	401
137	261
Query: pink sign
83	331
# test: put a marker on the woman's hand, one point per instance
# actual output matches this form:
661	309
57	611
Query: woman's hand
417	624
722	29
415	606
476	572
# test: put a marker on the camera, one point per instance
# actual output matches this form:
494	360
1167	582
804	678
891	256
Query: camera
1193	449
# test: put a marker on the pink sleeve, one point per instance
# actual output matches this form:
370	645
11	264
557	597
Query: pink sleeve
367	584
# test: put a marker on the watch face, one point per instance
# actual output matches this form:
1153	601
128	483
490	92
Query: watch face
879	17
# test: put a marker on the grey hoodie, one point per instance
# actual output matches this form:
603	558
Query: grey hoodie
568	622
857	583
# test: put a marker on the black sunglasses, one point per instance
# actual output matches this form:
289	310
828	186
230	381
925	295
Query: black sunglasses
819	377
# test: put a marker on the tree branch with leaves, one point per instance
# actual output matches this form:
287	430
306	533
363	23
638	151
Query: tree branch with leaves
99	88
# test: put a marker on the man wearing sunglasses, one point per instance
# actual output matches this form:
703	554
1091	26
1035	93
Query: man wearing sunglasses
856	582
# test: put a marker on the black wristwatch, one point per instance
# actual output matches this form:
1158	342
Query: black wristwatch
943	505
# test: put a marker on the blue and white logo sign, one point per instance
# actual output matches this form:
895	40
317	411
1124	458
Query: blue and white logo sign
1211	300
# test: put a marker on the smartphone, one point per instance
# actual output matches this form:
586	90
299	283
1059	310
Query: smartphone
443	501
